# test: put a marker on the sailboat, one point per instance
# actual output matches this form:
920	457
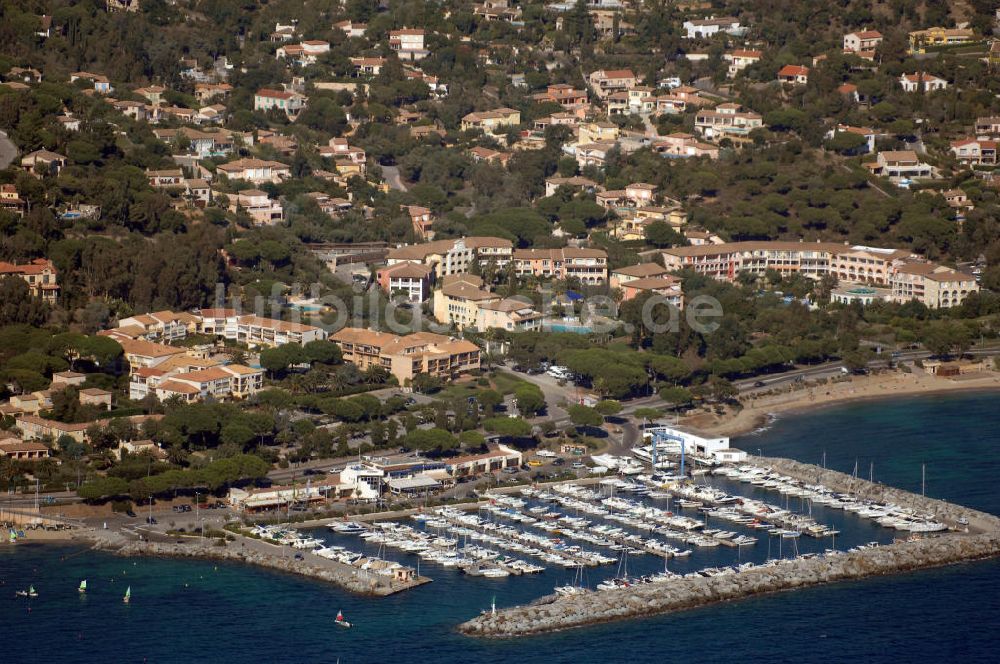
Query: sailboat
30	592
128	595
340	620
83	587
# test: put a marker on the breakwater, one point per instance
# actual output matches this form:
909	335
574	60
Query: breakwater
557	613
552	613
260	554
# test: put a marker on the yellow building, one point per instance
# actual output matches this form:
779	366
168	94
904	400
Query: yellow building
938	36
492	122
408	355
458	300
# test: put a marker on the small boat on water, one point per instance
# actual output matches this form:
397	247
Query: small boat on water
30	592
340	620
128	595
83	587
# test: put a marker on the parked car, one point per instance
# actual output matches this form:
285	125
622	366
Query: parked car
578	464
758	383
558	462
151	520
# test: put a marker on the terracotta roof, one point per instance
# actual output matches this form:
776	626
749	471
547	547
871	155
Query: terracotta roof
641	270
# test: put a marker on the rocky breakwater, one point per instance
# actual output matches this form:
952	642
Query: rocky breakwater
956	516
252	552
556	613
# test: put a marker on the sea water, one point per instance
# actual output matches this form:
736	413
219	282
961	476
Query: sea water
192	611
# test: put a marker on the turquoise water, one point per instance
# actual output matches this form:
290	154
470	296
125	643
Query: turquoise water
184	611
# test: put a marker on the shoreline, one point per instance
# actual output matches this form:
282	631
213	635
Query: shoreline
759	412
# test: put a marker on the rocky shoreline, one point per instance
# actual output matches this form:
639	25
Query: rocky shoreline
555	613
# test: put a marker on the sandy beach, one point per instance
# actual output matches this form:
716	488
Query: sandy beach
755	411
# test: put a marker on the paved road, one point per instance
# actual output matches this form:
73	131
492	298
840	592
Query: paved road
8	151
391	175
829	369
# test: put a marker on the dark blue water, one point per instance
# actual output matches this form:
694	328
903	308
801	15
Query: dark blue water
185	611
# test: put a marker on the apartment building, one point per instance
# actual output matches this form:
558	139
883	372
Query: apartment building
623	275
40	275
590	266
935	286
407	356
665	286
33	427
726	261
219	382
511	314
255	330
412	281
446	257
458	299
908	276
163	326
23	450
141	353
258	331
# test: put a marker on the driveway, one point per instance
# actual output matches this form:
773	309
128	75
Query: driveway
8	151
391	175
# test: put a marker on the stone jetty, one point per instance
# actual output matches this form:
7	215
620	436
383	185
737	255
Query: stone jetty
981	539
254	552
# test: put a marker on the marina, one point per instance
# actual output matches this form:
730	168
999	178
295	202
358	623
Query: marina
636	529
422	621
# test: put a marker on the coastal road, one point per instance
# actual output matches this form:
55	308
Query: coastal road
8	151
830	369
